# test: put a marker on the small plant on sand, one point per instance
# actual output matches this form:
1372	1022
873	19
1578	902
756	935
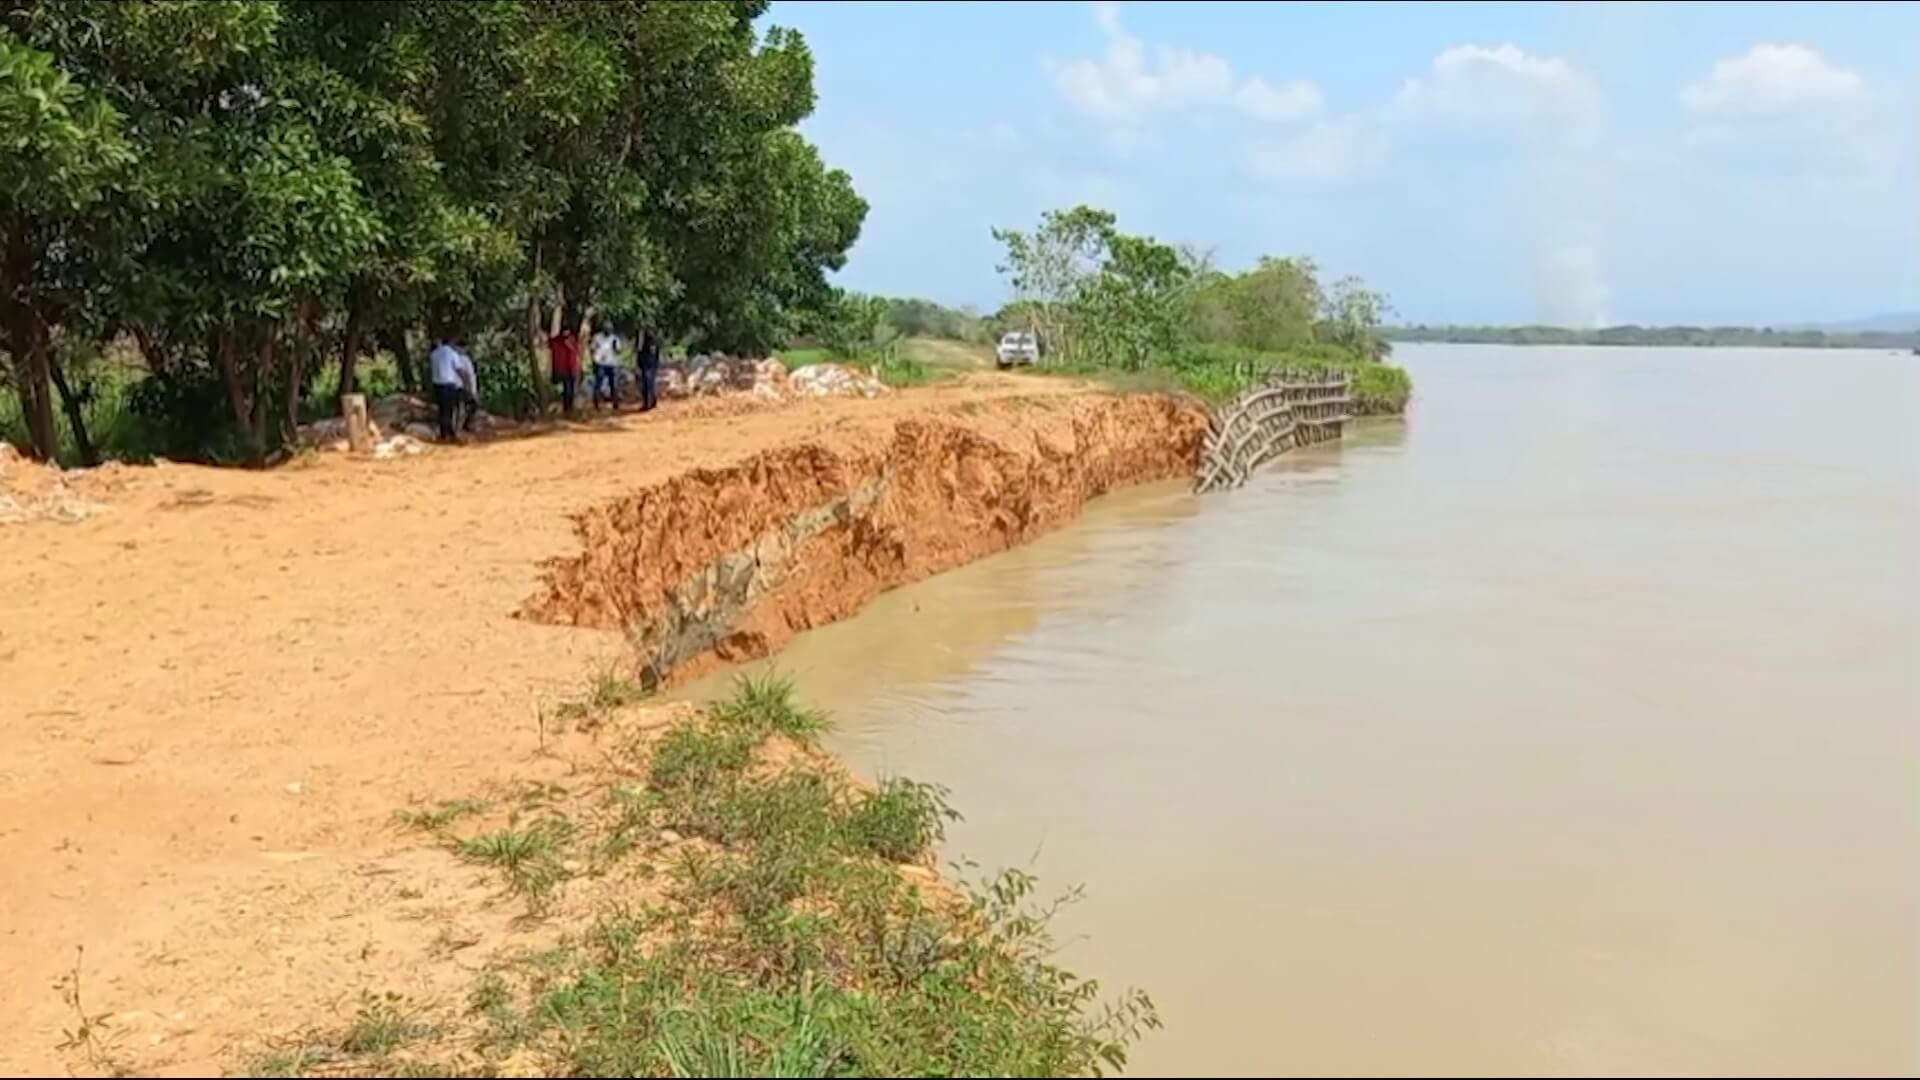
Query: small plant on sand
764	704
90	1036
529	857
382	1025
611	690
441	815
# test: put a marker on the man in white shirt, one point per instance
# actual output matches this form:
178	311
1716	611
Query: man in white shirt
606	367
454	384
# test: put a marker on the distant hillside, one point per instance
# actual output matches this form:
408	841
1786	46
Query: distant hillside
1709	336
1898	322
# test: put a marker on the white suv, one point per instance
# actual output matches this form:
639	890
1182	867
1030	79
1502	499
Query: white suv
1017	347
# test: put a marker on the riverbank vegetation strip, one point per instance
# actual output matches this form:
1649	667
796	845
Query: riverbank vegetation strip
1107	301
1138	314
728	902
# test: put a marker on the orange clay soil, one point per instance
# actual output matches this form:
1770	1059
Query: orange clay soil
215	693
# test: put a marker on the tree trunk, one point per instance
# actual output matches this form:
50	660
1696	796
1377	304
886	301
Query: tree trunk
226	350
29	344
155	354
349	349
262	390
297	361
76	416
536	344
359	430
36	395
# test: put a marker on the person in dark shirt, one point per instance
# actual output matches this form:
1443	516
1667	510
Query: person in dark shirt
649	369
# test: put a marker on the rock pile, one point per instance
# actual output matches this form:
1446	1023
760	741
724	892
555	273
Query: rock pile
402	445
705	376
30	491
766	379
401	424
834	380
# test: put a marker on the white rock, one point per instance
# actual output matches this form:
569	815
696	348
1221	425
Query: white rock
835	380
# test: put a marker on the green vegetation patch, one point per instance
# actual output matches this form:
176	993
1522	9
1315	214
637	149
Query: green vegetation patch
789	927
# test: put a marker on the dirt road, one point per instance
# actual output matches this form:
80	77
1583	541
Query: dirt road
215	694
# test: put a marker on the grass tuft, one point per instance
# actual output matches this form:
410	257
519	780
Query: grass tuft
764	705
528	857
611	691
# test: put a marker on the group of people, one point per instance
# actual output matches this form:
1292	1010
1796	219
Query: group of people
607	346
456	387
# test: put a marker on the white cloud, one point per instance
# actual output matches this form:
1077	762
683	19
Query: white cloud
1771	79
1500	86
1492	89
1779	113
1130	82
1263	99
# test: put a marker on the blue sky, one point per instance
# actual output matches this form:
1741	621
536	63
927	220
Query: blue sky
1572	163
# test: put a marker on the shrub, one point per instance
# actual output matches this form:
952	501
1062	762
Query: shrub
899	822
697	755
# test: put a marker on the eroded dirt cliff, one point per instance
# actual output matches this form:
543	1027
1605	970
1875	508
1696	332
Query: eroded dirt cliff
726	564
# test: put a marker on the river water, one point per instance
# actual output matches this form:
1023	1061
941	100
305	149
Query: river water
1570	727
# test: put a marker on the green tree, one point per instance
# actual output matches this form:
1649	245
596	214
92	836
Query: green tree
858	327
1134	310
1271	307
112	121
64	146
1049	267
1351	315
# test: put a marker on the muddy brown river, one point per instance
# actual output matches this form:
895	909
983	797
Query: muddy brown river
1572	727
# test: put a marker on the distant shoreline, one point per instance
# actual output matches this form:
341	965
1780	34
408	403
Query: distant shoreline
1738	337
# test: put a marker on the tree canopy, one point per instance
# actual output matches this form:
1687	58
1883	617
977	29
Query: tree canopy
250	189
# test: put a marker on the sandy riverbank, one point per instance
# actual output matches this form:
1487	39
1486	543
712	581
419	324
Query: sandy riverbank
217	691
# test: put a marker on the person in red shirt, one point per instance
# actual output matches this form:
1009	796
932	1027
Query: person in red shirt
564	348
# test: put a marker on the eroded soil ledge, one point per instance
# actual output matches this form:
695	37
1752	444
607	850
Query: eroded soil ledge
727	564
